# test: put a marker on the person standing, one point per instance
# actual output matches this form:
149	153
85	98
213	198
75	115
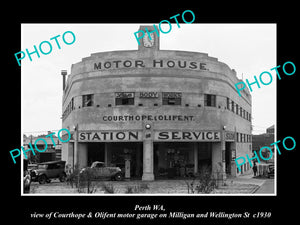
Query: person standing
255	169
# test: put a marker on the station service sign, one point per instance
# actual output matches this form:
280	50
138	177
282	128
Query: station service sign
137	136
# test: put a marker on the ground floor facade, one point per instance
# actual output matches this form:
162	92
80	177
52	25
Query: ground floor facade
151	155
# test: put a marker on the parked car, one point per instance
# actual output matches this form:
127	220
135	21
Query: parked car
49	170
98	170
271	171
26	177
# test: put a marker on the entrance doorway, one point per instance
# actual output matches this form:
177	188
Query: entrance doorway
228	157
181	159
95	152
120	152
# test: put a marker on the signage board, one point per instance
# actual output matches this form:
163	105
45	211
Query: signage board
159	136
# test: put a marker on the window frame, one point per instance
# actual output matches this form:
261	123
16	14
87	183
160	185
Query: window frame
85	99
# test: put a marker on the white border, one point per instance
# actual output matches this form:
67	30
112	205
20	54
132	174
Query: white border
149	195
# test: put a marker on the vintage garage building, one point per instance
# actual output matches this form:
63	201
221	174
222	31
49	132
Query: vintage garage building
155	113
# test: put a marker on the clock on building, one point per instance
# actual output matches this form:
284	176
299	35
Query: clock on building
147	42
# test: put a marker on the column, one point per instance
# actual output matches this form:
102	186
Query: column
233	156
223	148
195	157
105	154
68	153
76	153
82	155
138	162
148	160
218	164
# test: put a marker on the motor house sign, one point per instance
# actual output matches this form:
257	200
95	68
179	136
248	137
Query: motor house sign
161	136
155	63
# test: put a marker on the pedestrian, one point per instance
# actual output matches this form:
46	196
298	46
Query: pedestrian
254	169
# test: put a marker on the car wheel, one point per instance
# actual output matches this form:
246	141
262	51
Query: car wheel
118	177
42	179
62	177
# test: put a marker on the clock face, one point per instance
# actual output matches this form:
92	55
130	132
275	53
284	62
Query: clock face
147	42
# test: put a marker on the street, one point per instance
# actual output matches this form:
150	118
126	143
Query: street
267	187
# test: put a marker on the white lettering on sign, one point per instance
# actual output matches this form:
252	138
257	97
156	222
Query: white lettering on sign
187	136
171	95
104	136
184	136
124	94
148	94
155	63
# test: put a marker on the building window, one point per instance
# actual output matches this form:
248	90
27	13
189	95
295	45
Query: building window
124	98
241	110
237	109
72	104
171	98
237	137
210	100
232	106
87	100
228	104
68	109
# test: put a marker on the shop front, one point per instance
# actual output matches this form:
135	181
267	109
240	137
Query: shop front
181	159
148	154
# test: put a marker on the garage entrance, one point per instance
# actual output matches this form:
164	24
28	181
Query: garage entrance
118	154
181	159
96	152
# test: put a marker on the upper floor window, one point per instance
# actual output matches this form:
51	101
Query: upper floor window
87	100
171	98
124	98
209	100
232	106
228	103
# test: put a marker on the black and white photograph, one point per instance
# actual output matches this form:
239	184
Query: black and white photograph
177	115
149	112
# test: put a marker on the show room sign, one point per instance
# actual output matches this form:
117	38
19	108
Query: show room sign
162	136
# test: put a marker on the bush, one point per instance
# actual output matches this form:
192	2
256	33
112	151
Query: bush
139	188
85	181
203	183
108	188
206	182
72	176
82	180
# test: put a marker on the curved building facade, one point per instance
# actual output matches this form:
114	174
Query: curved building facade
156	113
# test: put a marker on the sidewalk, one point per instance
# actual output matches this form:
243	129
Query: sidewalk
243	184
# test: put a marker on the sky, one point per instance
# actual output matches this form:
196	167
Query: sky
250	49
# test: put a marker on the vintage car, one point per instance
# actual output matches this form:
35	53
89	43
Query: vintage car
271	171
26	177
98	170
49	170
